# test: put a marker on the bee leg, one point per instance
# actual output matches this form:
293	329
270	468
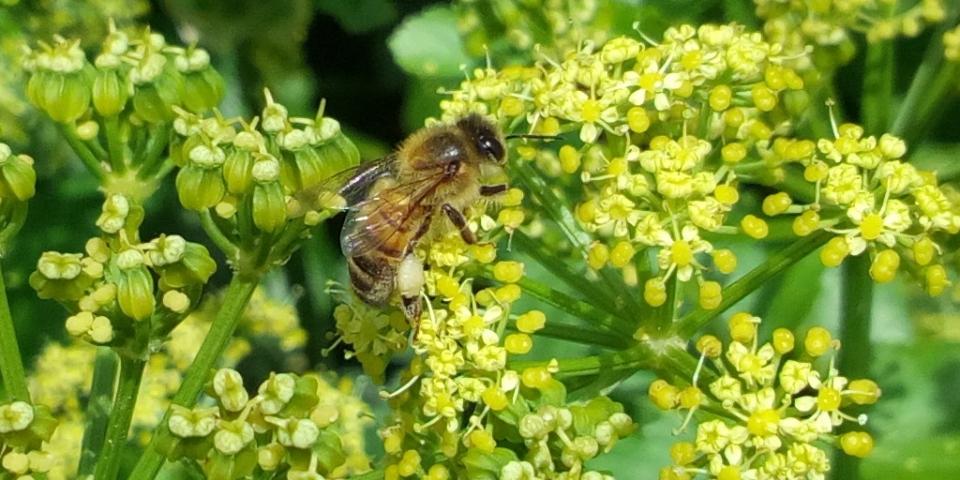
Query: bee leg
491	190
460	222
409	283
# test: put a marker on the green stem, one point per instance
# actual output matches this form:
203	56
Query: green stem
578	334
319	256
108	463
11	364
855	356
83	152
114	144
217	236
555	207
583	311
878	85
933	82
574	280
98	409
747	284
664	315
220	334
152	158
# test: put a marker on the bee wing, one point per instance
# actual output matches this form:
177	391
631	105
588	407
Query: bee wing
346	189
385	213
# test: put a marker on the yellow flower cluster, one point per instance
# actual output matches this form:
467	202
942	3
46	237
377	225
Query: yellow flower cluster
771	404
25	432
829	24
62	388
663	131
873	200
951	45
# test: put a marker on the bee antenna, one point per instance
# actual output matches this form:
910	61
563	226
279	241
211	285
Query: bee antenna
545	138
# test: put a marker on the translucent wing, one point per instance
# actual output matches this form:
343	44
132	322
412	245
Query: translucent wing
389	209
347	188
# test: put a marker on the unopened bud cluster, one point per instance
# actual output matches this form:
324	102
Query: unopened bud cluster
24	431
120	286
772	404
283	428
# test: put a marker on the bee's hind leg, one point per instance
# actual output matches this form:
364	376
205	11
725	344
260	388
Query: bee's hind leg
459	221
409	284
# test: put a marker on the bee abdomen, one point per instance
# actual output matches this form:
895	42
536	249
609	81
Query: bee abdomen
372	278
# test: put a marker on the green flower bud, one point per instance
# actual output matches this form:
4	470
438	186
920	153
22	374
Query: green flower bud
157	89
180	263
15	417
270	456
110	91
228	386
298	433
17	176
796	102
231	437
533	426
26	426
274	116
64	276
135	286
276	391
114	213
199	188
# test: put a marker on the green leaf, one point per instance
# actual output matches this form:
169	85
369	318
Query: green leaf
429	45
359	16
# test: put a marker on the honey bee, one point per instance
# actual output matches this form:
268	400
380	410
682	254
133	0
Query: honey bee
394	202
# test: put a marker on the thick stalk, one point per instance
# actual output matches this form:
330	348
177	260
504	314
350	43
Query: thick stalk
11	364
855	355
108	463
217	236
98	409
221	331
753	280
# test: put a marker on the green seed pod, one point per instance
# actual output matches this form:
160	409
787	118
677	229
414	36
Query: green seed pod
311	168
65	96
153	101
269	206
238	171
17	177
232	467
35	88
199	188
110	92
337	154
201	90
135	286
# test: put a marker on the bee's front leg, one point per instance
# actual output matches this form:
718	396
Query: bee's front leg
459	221
491	190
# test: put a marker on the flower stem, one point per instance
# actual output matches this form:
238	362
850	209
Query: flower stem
221	331
745	285
108	463
83	152
217	236
11	364
114	144
98	409
585	336
855	355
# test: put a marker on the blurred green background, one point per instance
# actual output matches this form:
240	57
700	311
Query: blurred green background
378	64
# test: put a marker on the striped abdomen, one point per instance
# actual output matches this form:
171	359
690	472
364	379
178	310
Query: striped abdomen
372	277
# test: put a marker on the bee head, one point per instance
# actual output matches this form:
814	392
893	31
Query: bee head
485	136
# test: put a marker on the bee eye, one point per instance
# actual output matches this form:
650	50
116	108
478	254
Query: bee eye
491	147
